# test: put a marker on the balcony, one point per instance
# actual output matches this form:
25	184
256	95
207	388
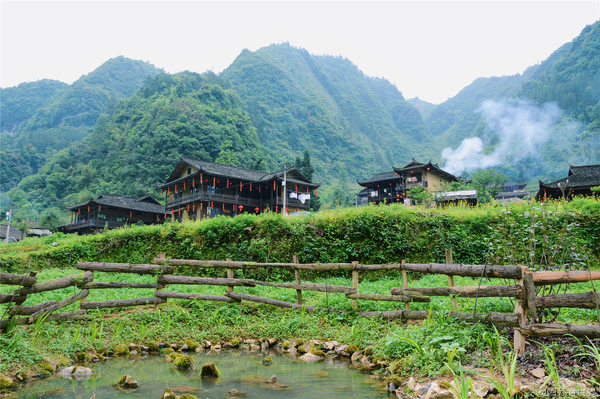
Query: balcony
416	184
217	197
94	224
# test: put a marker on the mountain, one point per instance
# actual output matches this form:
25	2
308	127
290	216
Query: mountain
352	124
46	116
140	142
534	125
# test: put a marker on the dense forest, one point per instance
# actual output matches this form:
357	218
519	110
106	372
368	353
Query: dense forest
43	117
122	128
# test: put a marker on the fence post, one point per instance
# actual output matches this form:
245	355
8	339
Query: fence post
298	282
355	284
530	294
519	338
451	280
405	282
161	255
85	297
229	275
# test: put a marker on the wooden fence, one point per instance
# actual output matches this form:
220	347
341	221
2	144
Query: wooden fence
523	291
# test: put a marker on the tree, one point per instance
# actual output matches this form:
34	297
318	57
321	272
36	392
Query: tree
420	195
227	156
304	166
50	219
488	183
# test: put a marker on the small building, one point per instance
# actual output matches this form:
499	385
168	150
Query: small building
468	197
113	211
512	190
391	187
14	232
579	181
200	189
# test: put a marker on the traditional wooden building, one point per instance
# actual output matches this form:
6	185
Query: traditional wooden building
579	181
511	191
390	187
113	211
199	189
445	198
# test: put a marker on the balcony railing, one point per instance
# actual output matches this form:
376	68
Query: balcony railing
97	223
218	197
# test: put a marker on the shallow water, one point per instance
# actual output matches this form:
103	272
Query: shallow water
327	379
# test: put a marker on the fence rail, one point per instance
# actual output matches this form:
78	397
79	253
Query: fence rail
523	291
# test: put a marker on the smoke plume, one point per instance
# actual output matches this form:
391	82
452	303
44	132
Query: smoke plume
515	129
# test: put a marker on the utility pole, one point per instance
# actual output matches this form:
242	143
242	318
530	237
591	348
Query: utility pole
283	187
9	216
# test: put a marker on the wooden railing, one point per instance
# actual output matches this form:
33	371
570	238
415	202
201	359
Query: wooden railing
523	290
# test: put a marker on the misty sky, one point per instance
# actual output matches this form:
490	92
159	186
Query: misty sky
427	49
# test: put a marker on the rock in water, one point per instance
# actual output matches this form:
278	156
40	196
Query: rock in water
128	381
184	362
273	379
235	392
209	369
168	394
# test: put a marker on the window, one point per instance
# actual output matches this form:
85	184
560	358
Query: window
189	171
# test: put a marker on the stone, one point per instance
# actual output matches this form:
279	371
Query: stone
255	348
132	347
310	358
250	341
272	342
365	362
128	381
6	383
133	352
273	379
184	362
538	373
235	392
437	392
341	350
481	388
184	347
264	345
77	373
356	357
216	347
168	394
208	344
402	395
209	369
145	348
293	351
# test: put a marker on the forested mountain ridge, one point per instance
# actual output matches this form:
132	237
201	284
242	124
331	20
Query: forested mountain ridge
65	116
141	141
569	77
19	103
353	125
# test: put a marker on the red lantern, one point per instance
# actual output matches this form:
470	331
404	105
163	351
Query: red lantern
157	217
374	203
161	193
428	169
307	190
256	209
78	210
176	188
250	186
211	204
214	180
71	214
317	192
194	208
200	178
227	182
188	207
184	185
240	207
193	182
296	188
130	214
98	208
233	208
165	215
223	207
273	184
201	206
240	186
179	211
259	188
88	208
411	172
276	209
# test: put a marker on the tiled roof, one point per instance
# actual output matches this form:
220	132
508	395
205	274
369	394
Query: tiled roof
579	176
379	177
143	204
236	172
457	195
14	232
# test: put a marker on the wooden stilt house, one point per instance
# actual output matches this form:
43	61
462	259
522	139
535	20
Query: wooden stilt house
199	189
579	181
391	187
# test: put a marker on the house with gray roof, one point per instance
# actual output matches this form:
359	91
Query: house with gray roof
579	181
199	189
112	211
391	187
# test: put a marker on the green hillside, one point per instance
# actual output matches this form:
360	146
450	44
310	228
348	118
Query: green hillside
51	115
139	144
353	125
570	78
